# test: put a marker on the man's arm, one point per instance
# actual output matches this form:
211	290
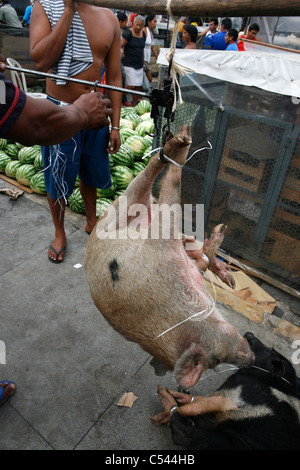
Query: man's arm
112	64
46	45
43	122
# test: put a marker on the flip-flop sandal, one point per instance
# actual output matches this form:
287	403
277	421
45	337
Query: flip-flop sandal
57	255
2	390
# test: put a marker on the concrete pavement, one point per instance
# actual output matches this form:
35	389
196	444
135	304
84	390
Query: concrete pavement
70	367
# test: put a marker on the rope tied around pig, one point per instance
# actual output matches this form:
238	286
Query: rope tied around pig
158	149
198	316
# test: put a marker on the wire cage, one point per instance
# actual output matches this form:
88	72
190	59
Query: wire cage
250	179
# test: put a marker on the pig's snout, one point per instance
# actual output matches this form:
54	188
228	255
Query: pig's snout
245	355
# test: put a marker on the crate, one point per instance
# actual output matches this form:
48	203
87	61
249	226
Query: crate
291	190
285	251
240	173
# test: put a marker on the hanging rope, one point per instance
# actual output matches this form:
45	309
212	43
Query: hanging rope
175	69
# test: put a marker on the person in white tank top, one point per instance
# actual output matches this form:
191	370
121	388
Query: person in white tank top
150	25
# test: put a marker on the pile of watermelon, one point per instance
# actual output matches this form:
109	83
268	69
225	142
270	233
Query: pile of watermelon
25	163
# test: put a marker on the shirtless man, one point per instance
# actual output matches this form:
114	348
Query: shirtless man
48	43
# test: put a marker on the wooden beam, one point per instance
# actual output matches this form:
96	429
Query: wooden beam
208	8
257	274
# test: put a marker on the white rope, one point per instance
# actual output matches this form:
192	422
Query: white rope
191	156
175	68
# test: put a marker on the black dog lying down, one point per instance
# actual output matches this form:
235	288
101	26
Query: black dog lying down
256	408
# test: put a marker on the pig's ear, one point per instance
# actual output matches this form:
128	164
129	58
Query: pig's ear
189	366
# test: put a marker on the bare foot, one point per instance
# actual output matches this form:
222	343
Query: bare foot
8	390
89	227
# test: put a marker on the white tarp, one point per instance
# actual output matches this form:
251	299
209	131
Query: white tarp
274	72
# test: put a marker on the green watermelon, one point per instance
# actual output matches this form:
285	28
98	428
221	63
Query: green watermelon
4	160
25	173
20	146
3	144
28	155
108	192
11	168
38	162
76	184
145	159
124	156
125	133
75	202
12	151
138	145
149	140
133	117
111	161
123	176
137	167
118	193
37	183
146	116
101	205
145	126
143	107
125	123
126	111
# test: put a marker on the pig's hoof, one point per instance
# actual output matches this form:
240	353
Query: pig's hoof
221	228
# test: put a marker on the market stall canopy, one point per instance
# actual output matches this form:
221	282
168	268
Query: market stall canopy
276	73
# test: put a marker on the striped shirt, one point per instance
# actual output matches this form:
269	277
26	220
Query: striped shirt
76	55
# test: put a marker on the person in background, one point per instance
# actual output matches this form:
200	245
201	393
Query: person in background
181	23
123	20
27	14
230	39
8	15
251	34
209	33
133	43
218	42
150	25
189	36
64	37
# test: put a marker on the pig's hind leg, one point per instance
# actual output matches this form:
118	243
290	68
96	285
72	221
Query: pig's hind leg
169	201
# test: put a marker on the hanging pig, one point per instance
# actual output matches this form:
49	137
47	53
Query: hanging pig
146	285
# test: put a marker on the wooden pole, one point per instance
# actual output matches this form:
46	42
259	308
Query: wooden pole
210	8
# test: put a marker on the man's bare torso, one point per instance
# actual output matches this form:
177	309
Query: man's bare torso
100	30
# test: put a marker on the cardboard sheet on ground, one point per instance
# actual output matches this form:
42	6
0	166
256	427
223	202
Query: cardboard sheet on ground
127	400
246	289
12	193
